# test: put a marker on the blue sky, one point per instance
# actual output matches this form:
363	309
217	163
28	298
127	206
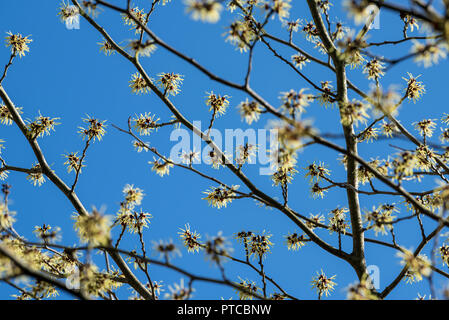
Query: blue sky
66	76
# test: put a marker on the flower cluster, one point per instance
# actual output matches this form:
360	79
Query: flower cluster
415	89
95	283
295	102
6	116
417	266
428	54
353	112
93	228
95	129
73	162
6	217
161	167
250	111
337	220
425	127
138	84
256	245
137	14
68	13
18	43
245	153
352	50
204	10
374	69
179	291
217	247
140	48
47	234
240	34
295	241
316	172
299	60
36	176
217	103
380	218
281	8
190	239
444	254
41	126
106	47
323	284
362	290
127	216
133	195
170	82
325	98
248	289
220	196
145	123
166	248
358	10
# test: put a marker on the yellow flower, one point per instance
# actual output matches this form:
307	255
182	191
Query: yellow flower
179	291
68	13
295	241
249	111
140	48
240	34
417	267
95	130
46	234
362	290
138	84
374	69
415	89
41	126
337	220
96	283
428	54
444	253
354	112
425	127
94	228
190	239
145	123
6	217
137	13
380	218
259	244
36	177
18	43
323	284
170	82
161	167
73	162
299	60
316	172
106	47
133	195
220	196
282	8
248	288
204	10
6	116
217	103
295	102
